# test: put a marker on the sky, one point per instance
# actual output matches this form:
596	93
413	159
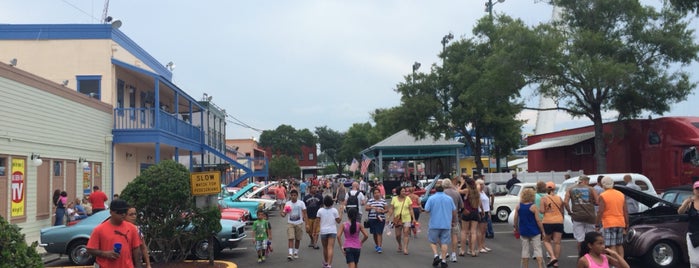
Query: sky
304	63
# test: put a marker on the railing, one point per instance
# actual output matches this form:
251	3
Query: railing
144	118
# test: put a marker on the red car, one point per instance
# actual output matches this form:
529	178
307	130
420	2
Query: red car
236	214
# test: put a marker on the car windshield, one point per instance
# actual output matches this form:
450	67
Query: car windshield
515	190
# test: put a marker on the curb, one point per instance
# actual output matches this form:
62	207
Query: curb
49	257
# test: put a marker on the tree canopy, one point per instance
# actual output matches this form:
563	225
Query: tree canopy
287	140
474	94
615	55
284	166
331	145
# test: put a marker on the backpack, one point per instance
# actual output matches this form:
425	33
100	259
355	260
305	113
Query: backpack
353	200
582	210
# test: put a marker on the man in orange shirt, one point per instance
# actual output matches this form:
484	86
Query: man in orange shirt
115	242
97	199
612	216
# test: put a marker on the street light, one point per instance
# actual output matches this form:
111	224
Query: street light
489	7
416	66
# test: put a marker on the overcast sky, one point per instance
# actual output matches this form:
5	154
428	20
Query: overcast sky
301	63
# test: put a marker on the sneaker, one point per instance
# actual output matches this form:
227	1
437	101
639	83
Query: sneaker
263	258
290	257
316	247
378	250
259	260
444	265
436	261
453	257
296	255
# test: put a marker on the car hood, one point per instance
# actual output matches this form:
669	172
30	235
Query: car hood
260	189
429	188
644	198
240	192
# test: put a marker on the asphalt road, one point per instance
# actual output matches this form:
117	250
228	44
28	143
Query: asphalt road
506	252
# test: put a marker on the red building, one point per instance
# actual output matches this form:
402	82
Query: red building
308	160
663	149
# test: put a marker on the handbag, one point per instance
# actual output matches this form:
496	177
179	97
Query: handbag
366	223
397	221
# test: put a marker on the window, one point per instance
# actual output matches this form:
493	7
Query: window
58	168
90	85
653	138
132	102
120	96
3	166
310	156
301	157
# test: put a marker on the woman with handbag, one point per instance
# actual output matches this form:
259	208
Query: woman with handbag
691	207
552	208
403	218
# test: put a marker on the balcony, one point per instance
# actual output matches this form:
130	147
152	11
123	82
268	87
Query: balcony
135	124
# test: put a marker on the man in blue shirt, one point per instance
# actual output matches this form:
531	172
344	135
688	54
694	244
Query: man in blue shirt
442	217
302	188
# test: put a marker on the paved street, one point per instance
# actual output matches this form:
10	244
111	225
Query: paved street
506	252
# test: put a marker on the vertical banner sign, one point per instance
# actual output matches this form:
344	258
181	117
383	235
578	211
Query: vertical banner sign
86	180
18	187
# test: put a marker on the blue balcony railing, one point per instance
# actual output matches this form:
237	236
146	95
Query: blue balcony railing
144	118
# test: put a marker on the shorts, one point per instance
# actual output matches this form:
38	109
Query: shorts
439	236
613	236
376	226
326	236
484	217
294	231
313	226
580	229
551	228
474	216
404	224
533	244
260	245
352	255
416	212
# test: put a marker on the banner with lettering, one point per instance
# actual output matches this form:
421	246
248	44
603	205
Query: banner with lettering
18	187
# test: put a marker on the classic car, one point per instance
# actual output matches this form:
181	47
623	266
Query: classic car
657	234
235	214
257	193
677	194
234	200
505	204
72	240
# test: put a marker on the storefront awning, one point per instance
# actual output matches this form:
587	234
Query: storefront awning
559	141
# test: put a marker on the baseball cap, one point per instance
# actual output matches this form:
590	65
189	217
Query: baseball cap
583	178
550	185
119	206
696	184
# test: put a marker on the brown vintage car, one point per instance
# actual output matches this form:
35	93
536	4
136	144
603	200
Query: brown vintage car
657	235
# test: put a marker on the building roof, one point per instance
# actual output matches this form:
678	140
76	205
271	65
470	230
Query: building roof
402	145
559	141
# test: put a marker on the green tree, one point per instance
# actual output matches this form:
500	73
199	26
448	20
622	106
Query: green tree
474	94
615	55
286	140
358	137
686	5
14	251
330	144
388	122
162	195
284	166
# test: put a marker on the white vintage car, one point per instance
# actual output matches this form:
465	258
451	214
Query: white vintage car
505	204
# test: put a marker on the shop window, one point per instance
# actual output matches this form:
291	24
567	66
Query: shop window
3	166
58	168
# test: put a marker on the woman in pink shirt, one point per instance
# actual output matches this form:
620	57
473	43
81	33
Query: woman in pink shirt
352	245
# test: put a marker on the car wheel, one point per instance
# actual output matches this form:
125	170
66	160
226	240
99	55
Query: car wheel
502	213
663	254
201	249
77	253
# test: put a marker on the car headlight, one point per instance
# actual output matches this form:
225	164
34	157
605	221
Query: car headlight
630	234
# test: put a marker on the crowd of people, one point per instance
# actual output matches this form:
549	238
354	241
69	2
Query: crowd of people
78	209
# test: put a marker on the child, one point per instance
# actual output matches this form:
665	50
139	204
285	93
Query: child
296	209
591	253
262	231
329	218
352	246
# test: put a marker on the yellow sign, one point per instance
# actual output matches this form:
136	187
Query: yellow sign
18	187
205	183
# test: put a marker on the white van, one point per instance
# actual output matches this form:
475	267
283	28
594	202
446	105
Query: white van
638	179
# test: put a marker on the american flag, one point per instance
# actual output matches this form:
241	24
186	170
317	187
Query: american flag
355	164
365	164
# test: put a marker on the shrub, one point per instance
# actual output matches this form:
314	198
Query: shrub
14	251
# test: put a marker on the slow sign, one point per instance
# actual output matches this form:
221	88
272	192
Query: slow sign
205	183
